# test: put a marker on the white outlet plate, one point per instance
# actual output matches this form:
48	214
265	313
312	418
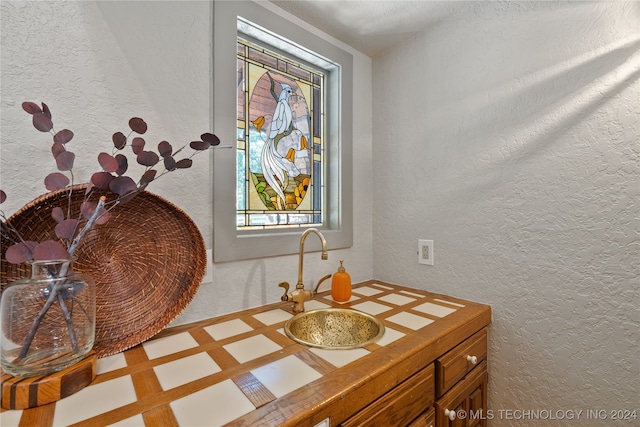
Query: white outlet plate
425	252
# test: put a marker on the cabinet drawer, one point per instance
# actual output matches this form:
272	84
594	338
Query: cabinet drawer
454	365
426	419
401	405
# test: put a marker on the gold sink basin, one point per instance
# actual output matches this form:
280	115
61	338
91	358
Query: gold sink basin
334	328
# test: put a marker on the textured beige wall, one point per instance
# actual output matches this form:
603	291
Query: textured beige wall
510	136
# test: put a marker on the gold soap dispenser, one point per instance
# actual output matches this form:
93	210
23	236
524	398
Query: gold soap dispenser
341	285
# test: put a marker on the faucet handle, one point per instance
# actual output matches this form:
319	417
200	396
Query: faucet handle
284	285
320	283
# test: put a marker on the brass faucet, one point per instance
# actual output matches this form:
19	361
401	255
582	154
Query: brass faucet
300	294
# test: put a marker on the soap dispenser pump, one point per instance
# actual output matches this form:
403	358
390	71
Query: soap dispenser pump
341	285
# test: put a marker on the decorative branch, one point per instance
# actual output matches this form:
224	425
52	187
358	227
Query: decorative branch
112	178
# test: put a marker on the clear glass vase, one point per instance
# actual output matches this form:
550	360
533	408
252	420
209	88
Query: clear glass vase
47	320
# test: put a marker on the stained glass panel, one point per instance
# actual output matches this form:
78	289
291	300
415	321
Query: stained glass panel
279	140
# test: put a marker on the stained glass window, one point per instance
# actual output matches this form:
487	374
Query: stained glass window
279	140
292	172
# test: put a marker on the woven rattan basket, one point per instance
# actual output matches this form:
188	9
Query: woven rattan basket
147	261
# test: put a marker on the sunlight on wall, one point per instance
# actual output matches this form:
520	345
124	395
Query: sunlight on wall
617	65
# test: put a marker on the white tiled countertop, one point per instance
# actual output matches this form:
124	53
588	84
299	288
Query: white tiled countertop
242	369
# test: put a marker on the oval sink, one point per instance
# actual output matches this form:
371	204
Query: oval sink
334	328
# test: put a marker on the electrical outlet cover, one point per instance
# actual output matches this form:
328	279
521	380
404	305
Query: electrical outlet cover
425	252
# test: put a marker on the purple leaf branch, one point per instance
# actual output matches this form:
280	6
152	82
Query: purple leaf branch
111	178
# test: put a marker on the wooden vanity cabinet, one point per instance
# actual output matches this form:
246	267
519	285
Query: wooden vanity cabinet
461	384
426	419
455	384
407	382
400	406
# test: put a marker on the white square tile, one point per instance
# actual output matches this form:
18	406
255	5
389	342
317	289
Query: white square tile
185	370
340	358
449	302
314	305
390	335
135	421
353	298
212	406
93	400
273	316
169	345
285	375
396	299
412	294
228	329
10	418
411	321
371	307
367	291
379	285
111	363
251	348
434	309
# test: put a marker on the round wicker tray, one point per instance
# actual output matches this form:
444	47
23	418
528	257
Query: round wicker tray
148	261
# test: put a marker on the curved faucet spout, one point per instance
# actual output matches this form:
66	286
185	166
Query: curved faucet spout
324	255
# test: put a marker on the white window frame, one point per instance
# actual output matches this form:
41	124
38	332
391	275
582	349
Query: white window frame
229	243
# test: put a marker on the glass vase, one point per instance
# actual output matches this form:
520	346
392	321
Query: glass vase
47	320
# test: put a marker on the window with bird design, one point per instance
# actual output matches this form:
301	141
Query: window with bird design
280	139
292	120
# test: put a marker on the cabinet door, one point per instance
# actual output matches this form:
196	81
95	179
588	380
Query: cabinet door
467	400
